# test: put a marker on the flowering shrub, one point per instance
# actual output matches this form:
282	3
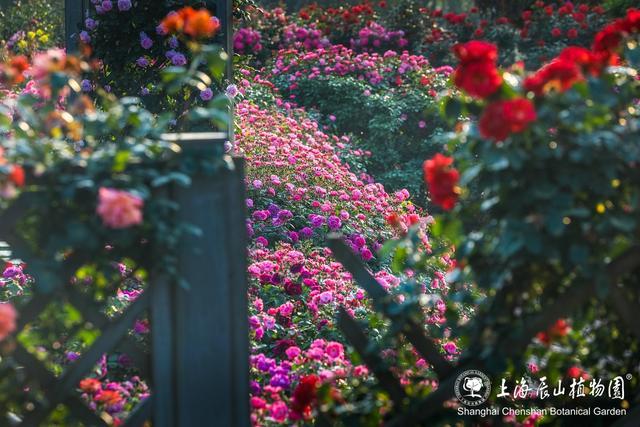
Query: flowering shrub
537	35
374	37
299	191
85	172
550	231
28	26
389	103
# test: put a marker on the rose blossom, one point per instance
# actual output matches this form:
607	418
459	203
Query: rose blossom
118	208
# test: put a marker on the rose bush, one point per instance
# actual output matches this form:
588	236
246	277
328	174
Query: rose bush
541	193
388	103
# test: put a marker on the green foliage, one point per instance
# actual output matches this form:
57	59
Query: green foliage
618	8
394	120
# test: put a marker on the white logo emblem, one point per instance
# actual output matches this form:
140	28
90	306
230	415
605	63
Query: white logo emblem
472	388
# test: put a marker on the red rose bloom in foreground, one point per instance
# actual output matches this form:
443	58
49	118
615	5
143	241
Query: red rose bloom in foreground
479	79
477	73
503	118
304	395
476	51
442	181
558	75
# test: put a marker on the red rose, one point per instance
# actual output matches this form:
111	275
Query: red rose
304	395
560	75
576	372
572	33
90	385
503	118
632	21
558	330
478	79
476	50
17	175
556	32
442	181
589	61
609	38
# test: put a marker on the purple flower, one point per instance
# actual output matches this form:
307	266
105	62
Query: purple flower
160	30
144	91
85	37
326	297
15	273
232	91
206	94
316	220
90	24
306	232
86	85
141	327
273	209
72	356
178	59
285	215
334	222
145	41
173	42
142	62
124	5
260	215
107	5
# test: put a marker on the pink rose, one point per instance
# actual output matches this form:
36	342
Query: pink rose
334	350
118	208
8	317
292	352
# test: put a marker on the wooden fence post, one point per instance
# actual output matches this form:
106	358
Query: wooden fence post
74	11
208	327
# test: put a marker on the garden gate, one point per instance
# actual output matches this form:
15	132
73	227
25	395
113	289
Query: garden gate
198	364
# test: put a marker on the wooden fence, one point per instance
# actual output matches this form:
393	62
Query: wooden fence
198	363
409	412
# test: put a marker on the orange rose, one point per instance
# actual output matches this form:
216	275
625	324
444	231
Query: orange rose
201	25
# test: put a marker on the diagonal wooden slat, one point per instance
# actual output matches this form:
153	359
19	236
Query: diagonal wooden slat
140	414
110	336
358	339
30	311
414	332
91	312
509	345
46	379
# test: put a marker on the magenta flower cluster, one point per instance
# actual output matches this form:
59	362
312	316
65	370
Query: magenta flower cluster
247	41
374	37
